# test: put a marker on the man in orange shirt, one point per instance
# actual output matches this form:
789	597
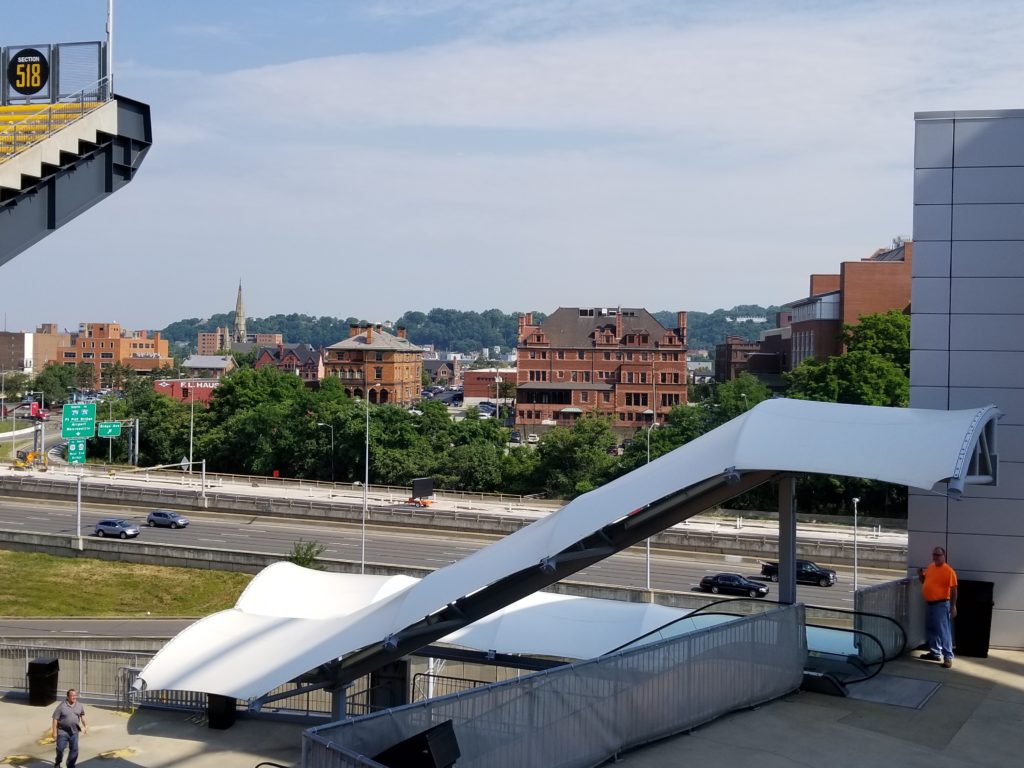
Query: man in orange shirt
939	591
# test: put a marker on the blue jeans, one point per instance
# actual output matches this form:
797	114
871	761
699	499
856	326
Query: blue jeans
940	635
67	740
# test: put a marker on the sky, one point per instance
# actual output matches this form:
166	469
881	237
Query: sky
368	158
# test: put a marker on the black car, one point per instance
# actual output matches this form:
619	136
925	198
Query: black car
732	584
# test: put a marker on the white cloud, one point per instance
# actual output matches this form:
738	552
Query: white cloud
675	164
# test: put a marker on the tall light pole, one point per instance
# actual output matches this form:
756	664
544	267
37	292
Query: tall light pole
191	421
110	440
497	403
366	485
331	427
855	500
647	544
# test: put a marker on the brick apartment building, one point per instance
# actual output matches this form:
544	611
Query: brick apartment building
304	360
386	367
103	345
616	361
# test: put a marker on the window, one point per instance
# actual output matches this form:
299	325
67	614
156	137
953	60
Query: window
107	355
574	376
561	355
580	355
378	357
378	372
636	398
533	354
561	375
88	355
606	397
607	355
668	400
586	376
584	397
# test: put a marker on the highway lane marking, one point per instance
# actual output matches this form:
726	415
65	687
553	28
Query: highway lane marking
218	541
237	535
40	519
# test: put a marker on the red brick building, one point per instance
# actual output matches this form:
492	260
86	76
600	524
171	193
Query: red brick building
303	360
878	283
731	358
616	361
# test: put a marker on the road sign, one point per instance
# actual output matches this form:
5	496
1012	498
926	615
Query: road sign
109	429
76	450
185	463
78	420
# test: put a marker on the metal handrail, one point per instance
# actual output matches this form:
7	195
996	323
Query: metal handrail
9	145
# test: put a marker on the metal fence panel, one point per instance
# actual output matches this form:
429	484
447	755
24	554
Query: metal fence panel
901	601
581	714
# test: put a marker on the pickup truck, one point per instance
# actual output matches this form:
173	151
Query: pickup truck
806	573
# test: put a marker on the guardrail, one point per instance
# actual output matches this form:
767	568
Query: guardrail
901	601
581	714
384	512
51	118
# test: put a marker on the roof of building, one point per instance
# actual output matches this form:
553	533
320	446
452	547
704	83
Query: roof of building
379	339
433	365
208	361
575	326
898	253
307	354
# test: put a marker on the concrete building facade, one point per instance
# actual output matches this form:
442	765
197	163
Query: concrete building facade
967	338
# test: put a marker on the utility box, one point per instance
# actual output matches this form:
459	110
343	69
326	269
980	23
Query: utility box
42	680
972	627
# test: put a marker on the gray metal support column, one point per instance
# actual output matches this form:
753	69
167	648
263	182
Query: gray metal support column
787	540
338	703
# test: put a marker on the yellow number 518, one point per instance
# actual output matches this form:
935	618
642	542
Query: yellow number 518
28	75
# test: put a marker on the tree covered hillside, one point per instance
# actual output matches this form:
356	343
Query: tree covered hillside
466	331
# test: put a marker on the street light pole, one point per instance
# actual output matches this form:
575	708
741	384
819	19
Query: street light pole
497	403
330	427
366	485
191	421
647	543
855	500
110	440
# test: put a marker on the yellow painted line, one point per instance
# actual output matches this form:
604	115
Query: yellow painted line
111	754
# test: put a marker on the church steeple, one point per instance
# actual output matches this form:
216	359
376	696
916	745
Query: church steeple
239	336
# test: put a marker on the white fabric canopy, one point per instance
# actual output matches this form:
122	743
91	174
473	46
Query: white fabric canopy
282	628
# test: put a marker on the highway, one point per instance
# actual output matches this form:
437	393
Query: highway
423	548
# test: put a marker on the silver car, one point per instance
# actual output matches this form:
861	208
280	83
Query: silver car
116	527
167	518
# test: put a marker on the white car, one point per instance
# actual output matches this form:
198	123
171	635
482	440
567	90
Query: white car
532	438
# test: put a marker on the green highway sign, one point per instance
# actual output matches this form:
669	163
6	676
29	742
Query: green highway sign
78	420
76	450
109	429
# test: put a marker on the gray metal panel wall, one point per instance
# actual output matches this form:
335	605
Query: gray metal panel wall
967	338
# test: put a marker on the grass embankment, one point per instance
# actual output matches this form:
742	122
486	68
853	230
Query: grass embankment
35	585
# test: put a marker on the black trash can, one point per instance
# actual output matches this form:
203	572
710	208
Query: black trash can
435	747
972	627
220	711
42	680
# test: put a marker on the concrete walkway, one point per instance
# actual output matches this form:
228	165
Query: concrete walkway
974	719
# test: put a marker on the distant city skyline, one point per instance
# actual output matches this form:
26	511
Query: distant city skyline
370	158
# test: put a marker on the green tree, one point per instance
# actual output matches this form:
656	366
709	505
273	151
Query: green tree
576	460
54	381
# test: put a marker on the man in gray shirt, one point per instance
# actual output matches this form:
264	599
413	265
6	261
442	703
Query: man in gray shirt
68	720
